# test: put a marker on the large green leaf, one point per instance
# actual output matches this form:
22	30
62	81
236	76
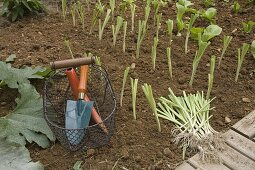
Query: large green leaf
210	32
26	122
13	76
16	158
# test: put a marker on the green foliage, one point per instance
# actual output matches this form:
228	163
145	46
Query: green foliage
240	56
210	15
253	48
26	122
208	33
15	9
16	157
247	26
208	3
235	7
13	77
77	165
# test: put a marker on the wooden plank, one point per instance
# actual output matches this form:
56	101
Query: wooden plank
235	160
185	166
247	125
196	162
241	143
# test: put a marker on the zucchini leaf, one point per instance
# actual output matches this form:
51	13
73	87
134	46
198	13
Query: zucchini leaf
16	158
26	122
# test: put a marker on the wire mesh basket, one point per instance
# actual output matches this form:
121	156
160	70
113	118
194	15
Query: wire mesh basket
56	93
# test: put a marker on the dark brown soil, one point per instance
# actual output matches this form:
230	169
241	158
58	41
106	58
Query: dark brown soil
137	144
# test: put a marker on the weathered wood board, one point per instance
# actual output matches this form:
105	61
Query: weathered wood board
246	126
239	153
185	166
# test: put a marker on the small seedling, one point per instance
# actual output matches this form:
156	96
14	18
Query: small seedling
64	8
170	25
97	12
101	27
124	35
123	84
115	30
240	57
208	3
73	12
154	52
201	49
247	26
210	15
132	8
211	76
112	5
226	42
140	37
235	7
253	48
147	89
134	83
169	62
191	22
98	61
67	44
158	23
81	14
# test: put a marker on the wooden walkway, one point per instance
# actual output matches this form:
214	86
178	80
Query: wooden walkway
240	151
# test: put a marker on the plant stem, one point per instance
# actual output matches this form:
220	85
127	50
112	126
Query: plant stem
134	83
64	8
170	24
147	89
132	8
101	28
140	37
226	42
191	22
154	52
123	84
116	30
67	44
169	61
211	76
240	57
124	36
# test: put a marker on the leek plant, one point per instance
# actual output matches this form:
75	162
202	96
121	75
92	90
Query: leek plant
115	30
112	5
226	42
154	52
98	61
73	13
201	49
64	8
190	115
211	76
132	8
170	26
101	27
124	35
147	89
191	22
97	12
140	37
147	14
67	44
240	58
123	84
158	23
134	83
169	62
81	14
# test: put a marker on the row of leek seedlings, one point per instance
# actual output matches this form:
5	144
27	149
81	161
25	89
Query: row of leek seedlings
154	52
191	22
97	12
226	42
147	89
211	76
201	49
170	26
116	29
101	27
240	57
123	84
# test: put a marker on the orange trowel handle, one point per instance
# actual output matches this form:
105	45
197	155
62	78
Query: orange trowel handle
82	88
73	81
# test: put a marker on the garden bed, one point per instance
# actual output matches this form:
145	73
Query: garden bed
136	144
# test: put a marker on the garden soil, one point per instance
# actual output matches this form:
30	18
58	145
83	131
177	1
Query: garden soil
136	144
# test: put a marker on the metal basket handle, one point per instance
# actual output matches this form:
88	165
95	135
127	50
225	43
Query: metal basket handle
72	62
